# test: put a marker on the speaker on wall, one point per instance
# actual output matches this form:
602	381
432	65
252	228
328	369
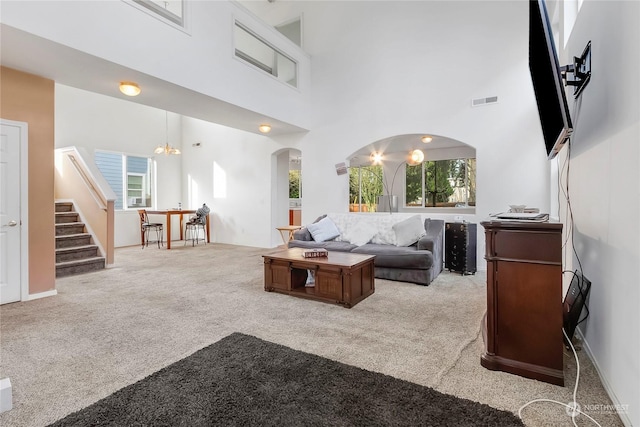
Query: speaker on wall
341	168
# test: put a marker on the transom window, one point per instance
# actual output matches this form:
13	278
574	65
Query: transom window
129	177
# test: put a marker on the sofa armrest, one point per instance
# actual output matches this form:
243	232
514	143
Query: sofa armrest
302	234
433	240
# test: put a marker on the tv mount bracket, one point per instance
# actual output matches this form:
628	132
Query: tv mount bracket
581	70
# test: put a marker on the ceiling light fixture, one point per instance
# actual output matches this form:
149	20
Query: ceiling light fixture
166	148
130	88
426	139
264	128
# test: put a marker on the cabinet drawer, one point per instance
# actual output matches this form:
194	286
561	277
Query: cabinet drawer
526	246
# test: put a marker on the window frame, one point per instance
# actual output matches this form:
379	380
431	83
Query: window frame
374	170
124	173
425	192
164	13
257	64
141	190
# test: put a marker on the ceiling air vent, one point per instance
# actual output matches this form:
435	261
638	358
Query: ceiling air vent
484	101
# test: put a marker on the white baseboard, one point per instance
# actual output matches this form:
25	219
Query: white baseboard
624	416
6	398
39	295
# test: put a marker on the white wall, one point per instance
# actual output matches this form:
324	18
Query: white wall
232	172
604	186
392	72
98	122
389	68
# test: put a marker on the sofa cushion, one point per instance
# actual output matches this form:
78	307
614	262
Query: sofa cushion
361	233
330	246
408	231
323	230
397	256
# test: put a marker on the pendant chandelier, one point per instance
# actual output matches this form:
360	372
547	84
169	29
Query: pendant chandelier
166	148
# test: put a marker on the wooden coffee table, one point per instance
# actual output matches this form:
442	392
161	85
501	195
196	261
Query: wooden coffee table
341	278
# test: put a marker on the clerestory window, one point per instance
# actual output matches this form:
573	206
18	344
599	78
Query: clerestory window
252	49
172	10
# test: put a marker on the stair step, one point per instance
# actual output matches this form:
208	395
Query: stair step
64	207
69	228
73	240
76	253
87	265
66	217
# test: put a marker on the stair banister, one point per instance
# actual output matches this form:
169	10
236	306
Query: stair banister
78	178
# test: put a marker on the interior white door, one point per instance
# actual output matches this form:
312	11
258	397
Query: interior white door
10	223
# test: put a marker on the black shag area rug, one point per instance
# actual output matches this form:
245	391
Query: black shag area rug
242	380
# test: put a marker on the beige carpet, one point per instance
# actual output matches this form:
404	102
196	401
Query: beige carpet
108	329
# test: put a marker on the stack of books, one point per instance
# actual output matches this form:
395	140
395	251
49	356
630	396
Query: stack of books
315	253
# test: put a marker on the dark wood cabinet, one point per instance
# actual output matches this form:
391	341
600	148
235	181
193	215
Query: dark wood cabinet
460	247
523	325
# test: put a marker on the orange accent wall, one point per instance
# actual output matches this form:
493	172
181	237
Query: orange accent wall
29	98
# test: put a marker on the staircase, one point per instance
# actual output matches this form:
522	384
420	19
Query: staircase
75	251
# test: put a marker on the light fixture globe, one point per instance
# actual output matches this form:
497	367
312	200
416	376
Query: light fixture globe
130	88
415	157
376	158
264	128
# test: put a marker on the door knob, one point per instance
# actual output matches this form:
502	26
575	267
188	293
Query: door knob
12	223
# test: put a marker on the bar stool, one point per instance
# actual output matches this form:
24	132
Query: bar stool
195	224
192	230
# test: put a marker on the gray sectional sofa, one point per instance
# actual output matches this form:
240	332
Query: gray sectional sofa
419	263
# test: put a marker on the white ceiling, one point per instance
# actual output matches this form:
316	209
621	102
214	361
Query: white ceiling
35	55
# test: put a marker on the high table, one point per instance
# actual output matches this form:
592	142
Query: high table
181	213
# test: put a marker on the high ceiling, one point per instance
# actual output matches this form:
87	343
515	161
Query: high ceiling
77	69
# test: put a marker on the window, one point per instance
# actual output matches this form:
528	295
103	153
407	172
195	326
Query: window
255	51
441	183
295	178
173	10
365	185
128	176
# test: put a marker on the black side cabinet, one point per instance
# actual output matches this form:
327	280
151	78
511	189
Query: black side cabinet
460	247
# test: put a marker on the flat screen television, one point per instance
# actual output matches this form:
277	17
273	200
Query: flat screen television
547	80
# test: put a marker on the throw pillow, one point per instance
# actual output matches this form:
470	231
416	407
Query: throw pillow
360	234
323	230
408	231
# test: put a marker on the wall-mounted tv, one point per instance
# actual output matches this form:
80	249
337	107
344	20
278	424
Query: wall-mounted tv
547	80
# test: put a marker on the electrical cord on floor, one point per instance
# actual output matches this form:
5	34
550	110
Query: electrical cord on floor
573	407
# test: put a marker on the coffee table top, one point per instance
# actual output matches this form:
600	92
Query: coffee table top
342	259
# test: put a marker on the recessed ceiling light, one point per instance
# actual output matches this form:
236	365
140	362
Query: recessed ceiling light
129	88
426	139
